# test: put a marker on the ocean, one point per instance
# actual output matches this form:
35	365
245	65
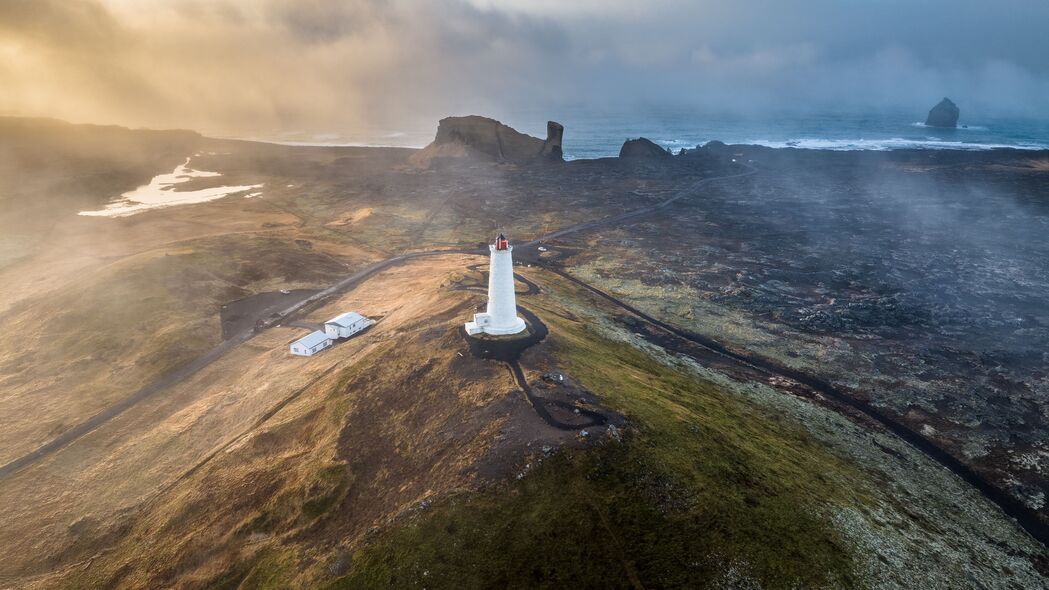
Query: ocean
597	133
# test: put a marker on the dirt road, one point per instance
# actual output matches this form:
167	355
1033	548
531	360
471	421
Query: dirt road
281	316
1027	518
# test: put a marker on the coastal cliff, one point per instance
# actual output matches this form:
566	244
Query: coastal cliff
476	137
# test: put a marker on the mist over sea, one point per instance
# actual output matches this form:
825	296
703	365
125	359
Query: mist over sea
596	133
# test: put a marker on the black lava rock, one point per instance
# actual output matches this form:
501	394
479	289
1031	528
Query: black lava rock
944	114
642	148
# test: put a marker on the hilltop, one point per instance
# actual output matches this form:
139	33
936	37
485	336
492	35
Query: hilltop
475	137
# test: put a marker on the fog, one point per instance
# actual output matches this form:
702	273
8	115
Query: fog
258	68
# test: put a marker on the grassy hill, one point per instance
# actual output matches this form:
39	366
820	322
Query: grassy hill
379	475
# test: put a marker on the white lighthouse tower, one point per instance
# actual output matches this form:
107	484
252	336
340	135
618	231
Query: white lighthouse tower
501	316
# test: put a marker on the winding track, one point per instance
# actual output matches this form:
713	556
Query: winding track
509	352
540	405
680	194
1025	517
204	360
243	336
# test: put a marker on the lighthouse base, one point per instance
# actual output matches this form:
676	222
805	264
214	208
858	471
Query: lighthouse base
482	324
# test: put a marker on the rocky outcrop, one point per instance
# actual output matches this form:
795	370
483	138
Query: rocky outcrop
715	146
642	149
487	139
552	146
944	114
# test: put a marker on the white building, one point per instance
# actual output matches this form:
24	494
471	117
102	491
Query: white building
501	315
345	325
310	344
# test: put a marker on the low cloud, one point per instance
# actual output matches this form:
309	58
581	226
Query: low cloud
255	68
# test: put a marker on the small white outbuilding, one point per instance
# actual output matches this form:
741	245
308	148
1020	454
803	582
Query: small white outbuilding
310	344
345	325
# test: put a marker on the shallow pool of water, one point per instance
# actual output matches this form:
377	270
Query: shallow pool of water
161	192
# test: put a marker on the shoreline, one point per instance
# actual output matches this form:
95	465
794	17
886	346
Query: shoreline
799	145
602	147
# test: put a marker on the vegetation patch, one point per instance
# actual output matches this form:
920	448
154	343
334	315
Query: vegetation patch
704	490
303	504
270	572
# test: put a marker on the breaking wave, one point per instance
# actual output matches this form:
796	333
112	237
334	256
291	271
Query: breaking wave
894	143
921	125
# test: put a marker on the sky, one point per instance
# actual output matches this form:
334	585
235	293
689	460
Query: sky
262	67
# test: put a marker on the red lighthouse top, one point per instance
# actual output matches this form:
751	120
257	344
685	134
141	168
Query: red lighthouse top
501	243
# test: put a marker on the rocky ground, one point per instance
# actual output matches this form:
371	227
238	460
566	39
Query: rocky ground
915	279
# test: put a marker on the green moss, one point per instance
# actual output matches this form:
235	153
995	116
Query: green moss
704	485
271	570
302	504
329	486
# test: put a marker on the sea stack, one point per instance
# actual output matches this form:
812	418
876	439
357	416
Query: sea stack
500	319
944	114
552	146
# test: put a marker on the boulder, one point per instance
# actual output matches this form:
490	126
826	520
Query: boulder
944	114
642	149
487	139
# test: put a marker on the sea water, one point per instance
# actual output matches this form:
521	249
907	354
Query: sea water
600	132
591	134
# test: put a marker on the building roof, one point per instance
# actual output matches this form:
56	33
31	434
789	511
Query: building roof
312	339
345	319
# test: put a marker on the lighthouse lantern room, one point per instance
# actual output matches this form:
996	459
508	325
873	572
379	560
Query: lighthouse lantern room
501	316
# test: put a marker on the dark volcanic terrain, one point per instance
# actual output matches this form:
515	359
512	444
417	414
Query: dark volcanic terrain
916	280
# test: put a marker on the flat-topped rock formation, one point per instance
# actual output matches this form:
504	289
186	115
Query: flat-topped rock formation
944	114
642	149
487	139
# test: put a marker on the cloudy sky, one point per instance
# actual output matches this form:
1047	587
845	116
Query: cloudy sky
258	67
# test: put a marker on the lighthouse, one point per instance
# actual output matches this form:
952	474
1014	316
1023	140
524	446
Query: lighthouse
501	316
